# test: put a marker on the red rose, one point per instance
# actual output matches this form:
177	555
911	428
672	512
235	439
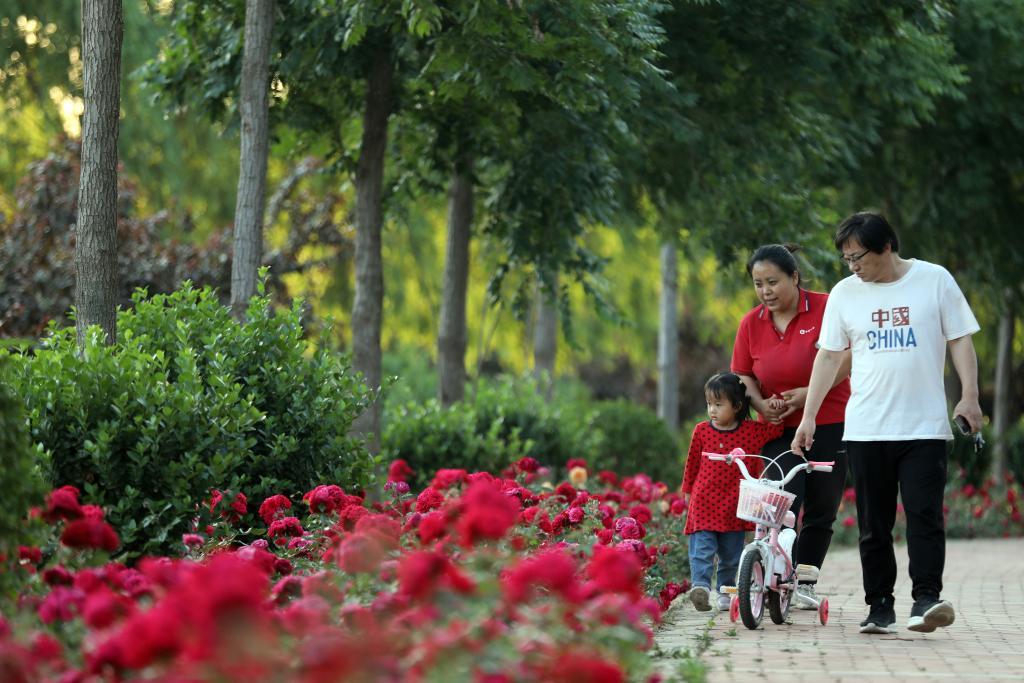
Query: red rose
103	607
554	570
90	534
446	478
421	572
62	503
326	499
566	491
487	513
615	571
575	462
605	536
641	513
273	508
527	464
399	470
285	527
429	499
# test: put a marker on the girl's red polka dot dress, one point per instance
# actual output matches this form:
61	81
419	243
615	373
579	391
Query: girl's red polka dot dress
715	486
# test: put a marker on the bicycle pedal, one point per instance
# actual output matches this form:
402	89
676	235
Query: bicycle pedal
807	572
727	590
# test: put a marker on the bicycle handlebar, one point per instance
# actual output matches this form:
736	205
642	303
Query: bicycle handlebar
737	457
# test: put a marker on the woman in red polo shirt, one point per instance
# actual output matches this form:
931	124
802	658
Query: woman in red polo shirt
775	348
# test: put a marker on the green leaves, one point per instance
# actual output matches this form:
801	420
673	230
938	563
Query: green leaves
189	400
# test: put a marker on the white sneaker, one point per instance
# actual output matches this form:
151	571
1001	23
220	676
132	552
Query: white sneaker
806	598
724	602
700	596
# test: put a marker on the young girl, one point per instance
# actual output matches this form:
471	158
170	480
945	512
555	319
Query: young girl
713	487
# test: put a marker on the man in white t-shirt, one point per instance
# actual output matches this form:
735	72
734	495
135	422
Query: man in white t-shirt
897	316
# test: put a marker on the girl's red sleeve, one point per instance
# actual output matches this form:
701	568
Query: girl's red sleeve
693	460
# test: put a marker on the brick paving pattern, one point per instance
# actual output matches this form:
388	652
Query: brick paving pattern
983	578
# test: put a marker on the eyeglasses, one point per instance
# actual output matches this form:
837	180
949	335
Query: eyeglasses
850	260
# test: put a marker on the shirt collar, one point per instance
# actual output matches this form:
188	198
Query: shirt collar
803	305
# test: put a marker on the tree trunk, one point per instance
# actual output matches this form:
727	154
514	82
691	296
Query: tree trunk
1004	368
96	232
668	339
369	294
252	174
545	337
451	337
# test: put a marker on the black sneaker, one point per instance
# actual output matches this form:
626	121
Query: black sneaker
880	619
928	614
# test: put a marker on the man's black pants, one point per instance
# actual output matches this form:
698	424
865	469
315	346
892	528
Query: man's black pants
916	470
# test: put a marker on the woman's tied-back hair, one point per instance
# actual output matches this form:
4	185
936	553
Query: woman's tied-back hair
728	385
779	254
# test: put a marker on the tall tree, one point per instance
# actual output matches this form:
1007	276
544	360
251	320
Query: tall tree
545	332
96	239
255	141
451	334
668	337
367	311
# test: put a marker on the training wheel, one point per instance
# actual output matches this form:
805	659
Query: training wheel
734	609
823	611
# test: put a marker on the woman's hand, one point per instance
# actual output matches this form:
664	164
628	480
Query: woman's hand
773	409
794	400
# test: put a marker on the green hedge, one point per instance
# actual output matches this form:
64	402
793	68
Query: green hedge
22	484
189	400
633	439
508	418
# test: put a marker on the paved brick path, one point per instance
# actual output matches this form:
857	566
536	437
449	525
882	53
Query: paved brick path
983	578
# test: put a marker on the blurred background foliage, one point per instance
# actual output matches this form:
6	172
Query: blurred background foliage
912	107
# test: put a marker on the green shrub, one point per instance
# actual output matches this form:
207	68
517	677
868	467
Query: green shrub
632	439
186	401
501	421
21	478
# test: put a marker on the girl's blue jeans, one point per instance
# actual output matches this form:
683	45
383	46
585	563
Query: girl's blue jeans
704	546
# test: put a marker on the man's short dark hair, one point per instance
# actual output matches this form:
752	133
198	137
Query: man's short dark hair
870	229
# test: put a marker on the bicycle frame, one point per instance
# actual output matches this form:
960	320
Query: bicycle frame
776	561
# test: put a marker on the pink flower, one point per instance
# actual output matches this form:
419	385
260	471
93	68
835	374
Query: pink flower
641	513
192	540
850	521
575	515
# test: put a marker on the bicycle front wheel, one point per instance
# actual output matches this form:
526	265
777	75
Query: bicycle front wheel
750	588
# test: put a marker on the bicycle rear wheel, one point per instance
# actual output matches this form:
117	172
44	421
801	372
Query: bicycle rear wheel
750	589
779	603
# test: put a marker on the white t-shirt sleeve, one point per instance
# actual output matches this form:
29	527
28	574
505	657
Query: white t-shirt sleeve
957	318
833	335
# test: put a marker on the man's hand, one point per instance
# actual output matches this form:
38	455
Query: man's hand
804	437
970	409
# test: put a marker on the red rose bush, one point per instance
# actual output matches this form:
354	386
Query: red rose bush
478	577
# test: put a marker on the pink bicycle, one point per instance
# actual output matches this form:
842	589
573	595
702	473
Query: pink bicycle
766	571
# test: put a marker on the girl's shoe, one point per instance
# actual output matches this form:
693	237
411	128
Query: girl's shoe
806	598
700	596
724	602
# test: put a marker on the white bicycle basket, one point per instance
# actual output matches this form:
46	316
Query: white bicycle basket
763	504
